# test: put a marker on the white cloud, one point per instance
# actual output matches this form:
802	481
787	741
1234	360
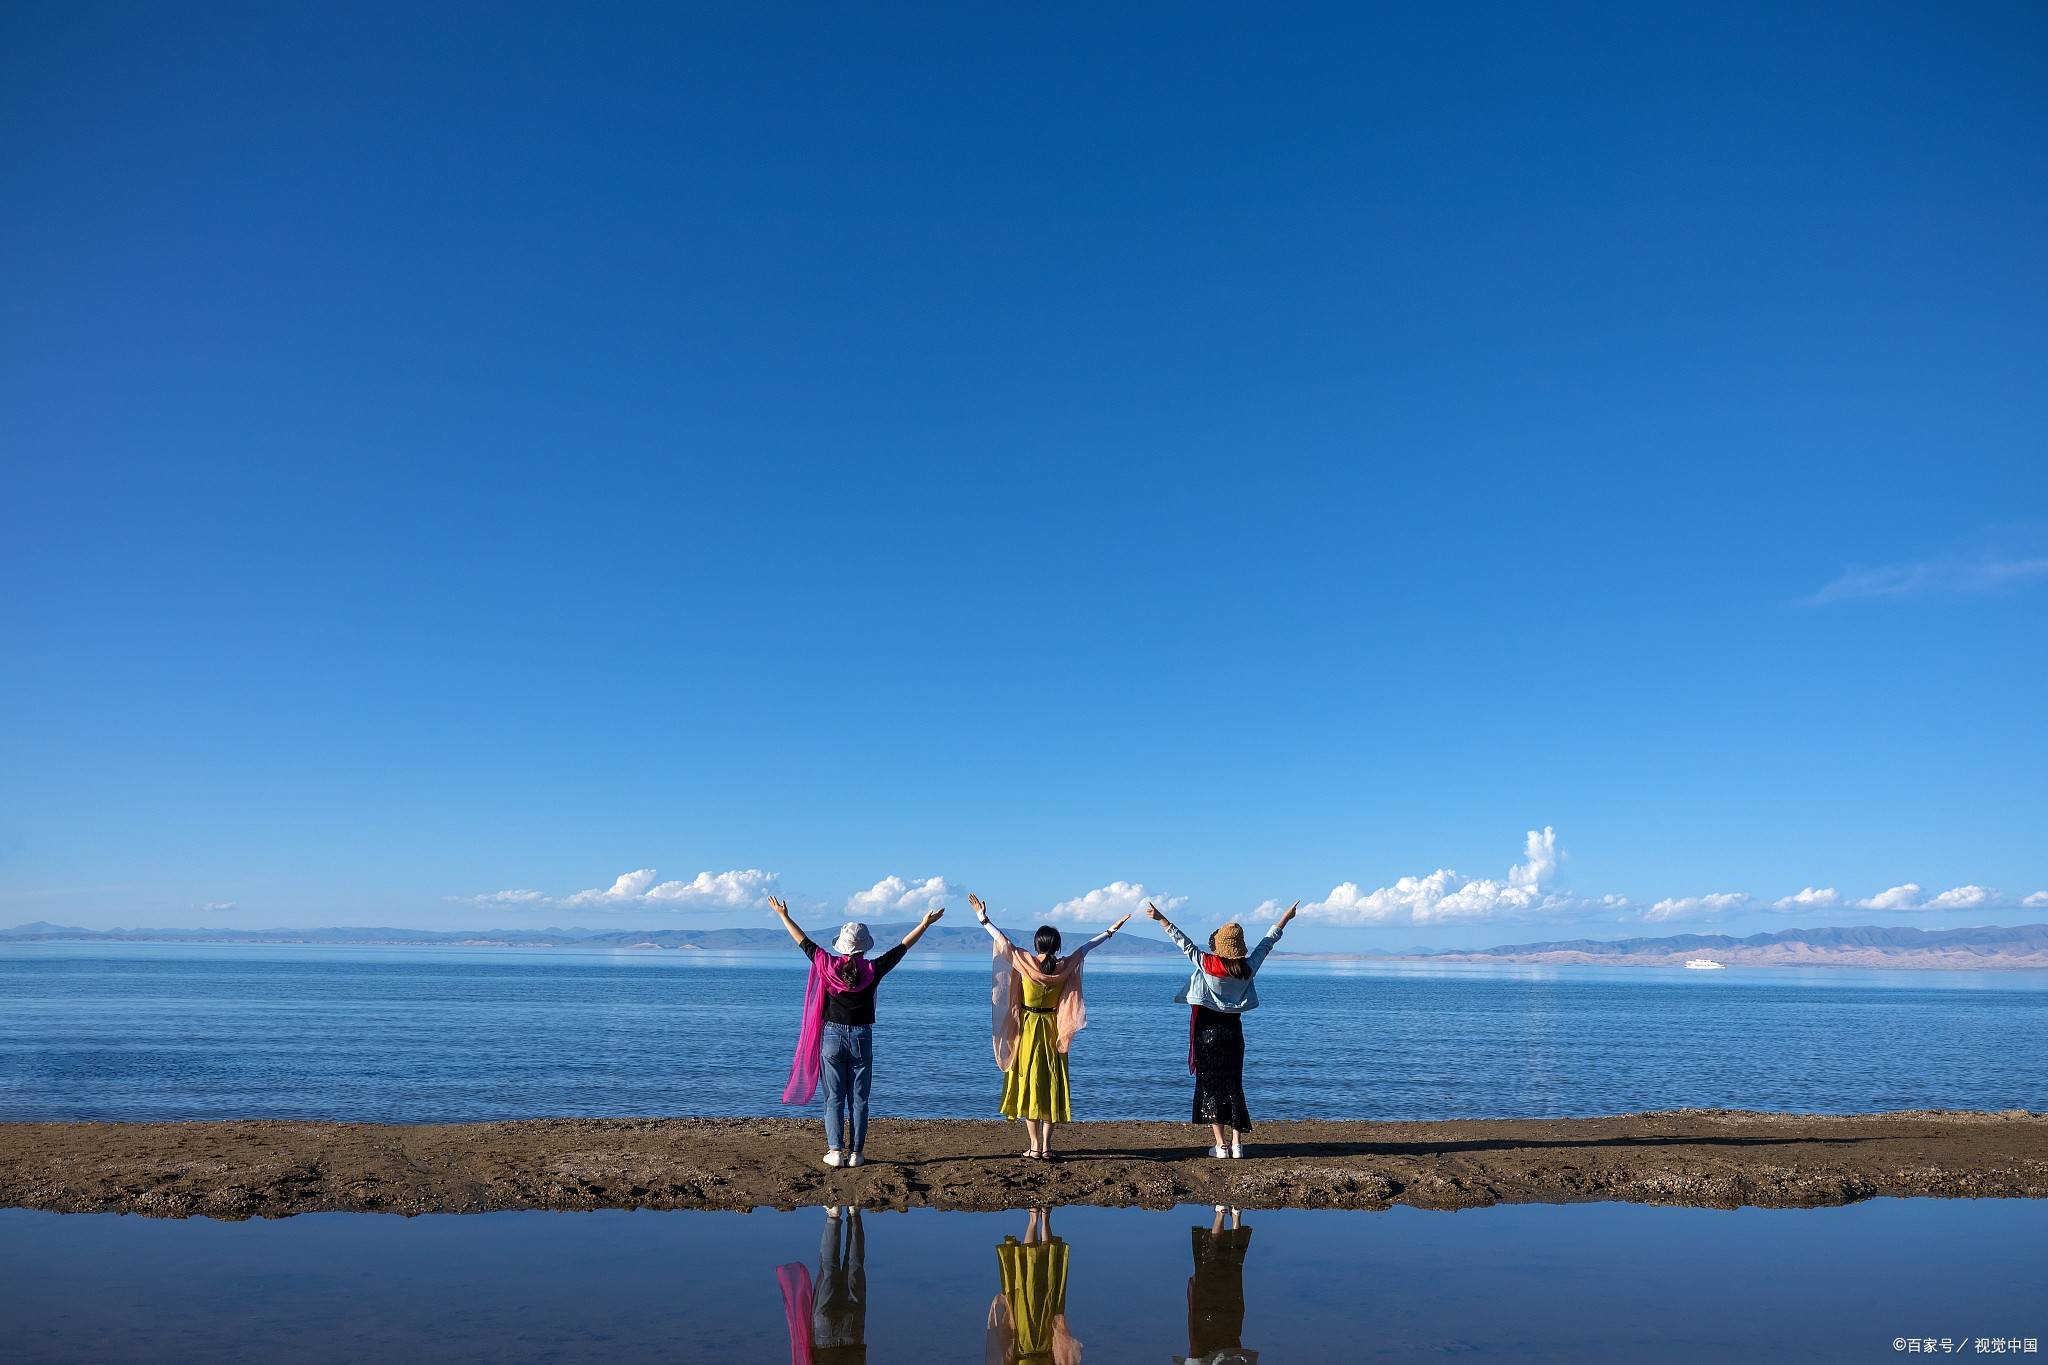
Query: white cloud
218	905
1696	907
1106	903
518	897
1812	898
1903	897
1907	897
1448	895
1539	852
1950	577
630	886
894	895
1441	896
735	890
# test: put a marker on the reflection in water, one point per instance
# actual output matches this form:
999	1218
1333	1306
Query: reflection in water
1027	1322
828	1323
1579	1284
1216	1294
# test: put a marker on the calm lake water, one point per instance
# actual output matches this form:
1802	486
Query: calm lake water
137	1031
1577	1283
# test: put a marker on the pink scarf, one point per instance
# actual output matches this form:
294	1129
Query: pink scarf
1006	998
809	1062
797	1301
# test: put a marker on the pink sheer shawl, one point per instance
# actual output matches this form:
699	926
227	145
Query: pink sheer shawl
808	1064
1000	1344
797	1301
1006	997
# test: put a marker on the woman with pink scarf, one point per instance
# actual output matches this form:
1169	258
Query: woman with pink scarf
835	1039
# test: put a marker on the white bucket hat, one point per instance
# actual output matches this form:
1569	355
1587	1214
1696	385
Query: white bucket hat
853	938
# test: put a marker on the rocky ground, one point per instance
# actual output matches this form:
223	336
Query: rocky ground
1716	1158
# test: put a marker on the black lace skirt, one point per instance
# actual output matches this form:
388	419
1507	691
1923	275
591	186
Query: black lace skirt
1216	1045
1216	1291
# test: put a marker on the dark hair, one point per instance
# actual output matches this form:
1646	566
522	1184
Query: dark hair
848	968
1237	967
1046	943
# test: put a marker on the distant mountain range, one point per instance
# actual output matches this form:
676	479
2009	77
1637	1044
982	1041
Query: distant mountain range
1986	946
944	938
2024	945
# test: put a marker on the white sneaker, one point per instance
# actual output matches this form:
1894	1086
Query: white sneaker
1218	1152
832	1157
1235	1148
855	1159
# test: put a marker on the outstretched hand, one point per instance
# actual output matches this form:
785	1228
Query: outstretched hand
1120	923
980	906
1292	910
1151	912
781	906
932	916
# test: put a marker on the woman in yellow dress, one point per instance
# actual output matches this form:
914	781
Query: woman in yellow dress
1035	1010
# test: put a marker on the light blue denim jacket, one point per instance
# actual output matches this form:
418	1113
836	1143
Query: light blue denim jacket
1227	994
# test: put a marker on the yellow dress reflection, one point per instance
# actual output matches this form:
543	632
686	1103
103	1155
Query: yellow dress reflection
1027	1322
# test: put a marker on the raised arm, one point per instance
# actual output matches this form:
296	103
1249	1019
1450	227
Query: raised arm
1182	941
1272	936
1100	939
981	913
931	917
782	910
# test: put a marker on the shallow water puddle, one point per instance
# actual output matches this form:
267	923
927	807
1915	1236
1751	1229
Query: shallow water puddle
1575	1282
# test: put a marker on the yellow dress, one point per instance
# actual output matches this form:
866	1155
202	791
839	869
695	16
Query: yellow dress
1035	1284
1035	1086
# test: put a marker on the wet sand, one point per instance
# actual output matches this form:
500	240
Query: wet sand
1711	1158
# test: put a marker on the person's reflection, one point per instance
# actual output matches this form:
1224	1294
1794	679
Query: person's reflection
1216	1294
1027	1322
828	1324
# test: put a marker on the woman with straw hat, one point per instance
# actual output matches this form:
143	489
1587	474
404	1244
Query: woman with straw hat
1217	995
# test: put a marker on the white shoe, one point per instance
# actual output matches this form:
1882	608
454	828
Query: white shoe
1218	1152
832	1158
855	1159
1235	1148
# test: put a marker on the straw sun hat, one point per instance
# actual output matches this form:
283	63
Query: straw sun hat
1228	941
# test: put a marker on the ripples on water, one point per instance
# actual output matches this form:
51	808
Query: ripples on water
138	1032
1578	1283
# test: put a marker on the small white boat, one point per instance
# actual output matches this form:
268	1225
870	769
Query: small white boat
1704	964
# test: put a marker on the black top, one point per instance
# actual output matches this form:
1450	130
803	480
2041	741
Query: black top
856	1007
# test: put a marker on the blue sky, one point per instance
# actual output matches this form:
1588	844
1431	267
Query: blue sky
504	449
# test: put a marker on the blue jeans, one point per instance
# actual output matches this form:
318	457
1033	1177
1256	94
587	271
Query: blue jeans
849	1053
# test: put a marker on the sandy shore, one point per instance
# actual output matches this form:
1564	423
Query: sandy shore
1716	1158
